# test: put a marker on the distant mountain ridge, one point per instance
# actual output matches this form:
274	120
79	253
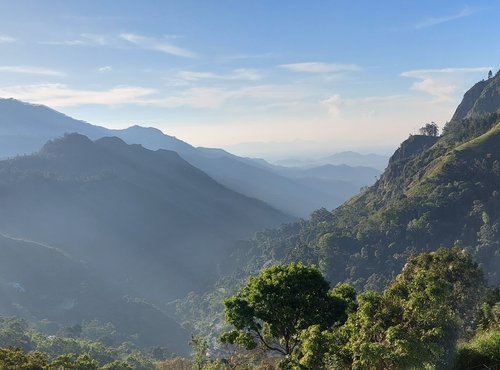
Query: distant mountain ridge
146	220
24	128
350	158
42	283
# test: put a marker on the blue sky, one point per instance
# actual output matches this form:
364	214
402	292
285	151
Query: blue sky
260	77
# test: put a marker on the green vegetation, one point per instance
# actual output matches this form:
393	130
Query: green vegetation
24	347
276	307
436	314
436	191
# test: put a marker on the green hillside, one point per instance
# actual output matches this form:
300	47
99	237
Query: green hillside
436	191
48	287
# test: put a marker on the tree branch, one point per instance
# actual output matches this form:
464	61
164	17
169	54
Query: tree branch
271	348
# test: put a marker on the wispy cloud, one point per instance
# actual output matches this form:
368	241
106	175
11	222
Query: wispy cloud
441	83
249	56
318	67
243	74
160	45
333	105
163	45
60	95
434	21
31	70
105	69
85	39
4	39
215	97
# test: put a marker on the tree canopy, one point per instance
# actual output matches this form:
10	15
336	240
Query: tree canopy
275	307
430	129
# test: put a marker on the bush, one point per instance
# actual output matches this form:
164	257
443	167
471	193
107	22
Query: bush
483	349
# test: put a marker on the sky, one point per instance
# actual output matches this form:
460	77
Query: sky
261	78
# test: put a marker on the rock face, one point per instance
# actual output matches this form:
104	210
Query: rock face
392	180
483	97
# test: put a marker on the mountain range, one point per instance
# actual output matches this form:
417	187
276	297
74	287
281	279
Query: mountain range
135	215
24	129
95	227
348	158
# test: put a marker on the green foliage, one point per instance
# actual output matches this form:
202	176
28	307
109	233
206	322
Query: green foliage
17	359
483	350
23	346
414	323
430	129
274	308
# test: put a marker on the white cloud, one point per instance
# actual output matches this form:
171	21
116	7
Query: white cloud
213	97
105	69
249	56
149	43
419	72
31	70
317	67
6	39
198	97
195	76
59	95
333	105
86	39
237	74
434	21
443	83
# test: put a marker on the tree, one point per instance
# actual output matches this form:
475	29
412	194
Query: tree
490	74
274	308
200	352
419	317
430	129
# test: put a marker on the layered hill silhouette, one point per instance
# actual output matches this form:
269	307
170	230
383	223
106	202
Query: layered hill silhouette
38	282
144	220
24	128
436	191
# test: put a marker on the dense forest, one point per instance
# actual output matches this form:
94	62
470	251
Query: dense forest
438	313
437	191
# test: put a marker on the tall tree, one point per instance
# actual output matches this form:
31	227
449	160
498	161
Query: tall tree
274	308
430	129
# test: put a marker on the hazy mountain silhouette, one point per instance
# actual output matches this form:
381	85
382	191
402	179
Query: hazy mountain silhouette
42	283
143	219
24	128
349	158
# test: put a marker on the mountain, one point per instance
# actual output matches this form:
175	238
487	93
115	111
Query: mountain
144	220
38	283
483	97
348	158
435	191
359	175
24	128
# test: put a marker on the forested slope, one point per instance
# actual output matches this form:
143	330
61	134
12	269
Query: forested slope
436	191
